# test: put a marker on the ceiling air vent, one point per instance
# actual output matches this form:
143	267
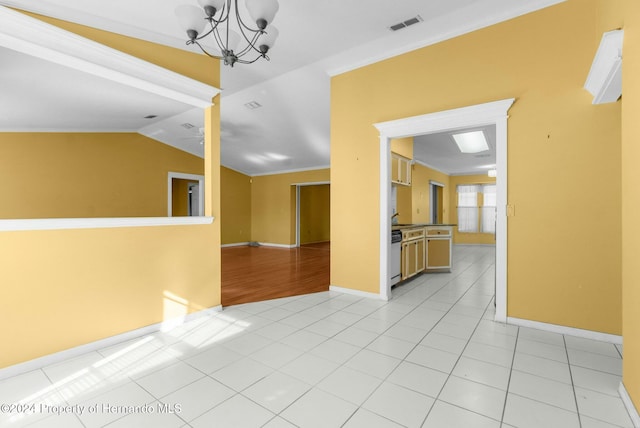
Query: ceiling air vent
187	125
252	105
406	23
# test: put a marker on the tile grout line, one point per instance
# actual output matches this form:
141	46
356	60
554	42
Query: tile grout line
513	359
463	349
573	386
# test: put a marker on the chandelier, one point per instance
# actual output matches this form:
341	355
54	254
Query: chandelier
214	18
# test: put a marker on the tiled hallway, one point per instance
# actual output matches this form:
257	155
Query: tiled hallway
431	357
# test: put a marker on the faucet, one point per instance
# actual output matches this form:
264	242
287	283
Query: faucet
394	220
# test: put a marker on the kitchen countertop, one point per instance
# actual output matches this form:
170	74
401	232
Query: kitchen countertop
417	225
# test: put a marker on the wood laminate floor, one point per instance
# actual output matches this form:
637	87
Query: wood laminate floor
252	274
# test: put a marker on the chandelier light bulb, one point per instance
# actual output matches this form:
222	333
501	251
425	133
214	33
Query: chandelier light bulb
262	11
191	19
268	39
217	5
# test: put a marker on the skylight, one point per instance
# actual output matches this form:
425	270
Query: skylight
471	142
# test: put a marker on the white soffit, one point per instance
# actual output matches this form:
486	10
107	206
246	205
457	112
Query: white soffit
604	81
54	44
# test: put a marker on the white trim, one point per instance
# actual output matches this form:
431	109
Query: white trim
569	331
628	404
58	357
267	244
289	171
482	114
311	183
71	50
183	176
297	215
235	244
356	292
604	81
98	223
441	29
72	130
426	165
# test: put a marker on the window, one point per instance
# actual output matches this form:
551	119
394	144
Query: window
488	224
476	208
468	208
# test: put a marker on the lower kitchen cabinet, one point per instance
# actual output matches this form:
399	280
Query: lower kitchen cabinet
438	253
413	257
438	248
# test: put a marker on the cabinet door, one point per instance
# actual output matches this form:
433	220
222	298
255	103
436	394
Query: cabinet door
438	253
405	171
420	255
395	169
408	259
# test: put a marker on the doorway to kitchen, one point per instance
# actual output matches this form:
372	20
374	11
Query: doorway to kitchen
492	113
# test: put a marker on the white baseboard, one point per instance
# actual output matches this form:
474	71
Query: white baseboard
236	244
356	292
570	331
58	357
267	244
628	404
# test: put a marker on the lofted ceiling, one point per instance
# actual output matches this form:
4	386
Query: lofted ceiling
290	129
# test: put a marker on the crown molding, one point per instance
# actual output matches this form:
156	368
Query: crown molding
33	37
438	30
604	81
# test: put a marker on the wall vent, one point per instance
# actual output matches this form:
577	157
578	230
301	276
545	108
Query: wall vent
405	24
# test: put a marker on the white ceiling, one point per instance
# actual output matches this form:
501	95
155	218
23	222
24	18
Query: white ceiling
291	129
440	151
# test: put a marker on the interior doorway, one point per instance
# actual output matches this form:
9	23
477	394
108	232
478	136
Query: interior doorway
185	195
492	113
436	202
313	214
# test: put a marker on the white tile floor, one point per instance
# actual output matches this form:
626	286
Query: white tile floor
432	357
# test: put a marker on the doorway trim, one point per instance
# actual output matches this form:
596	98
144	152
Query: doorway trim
298	185
195	177
492	113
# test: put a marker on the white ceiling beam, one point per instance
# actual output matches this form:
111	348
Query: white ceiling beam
31	36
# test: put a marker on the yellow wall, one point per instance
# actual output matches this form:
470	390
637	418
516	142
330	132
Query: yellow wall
53	175
235	197
273	205
631	200
413	203
403	147
467	238
65	288
315	211
420	178
558	272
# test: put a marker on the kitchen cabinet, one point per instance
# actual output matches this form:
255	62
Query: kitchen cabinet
438	243
400	170
413	252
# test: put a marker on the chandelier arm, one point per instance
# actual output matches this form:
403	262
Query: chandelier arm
195	42
244	61
251	45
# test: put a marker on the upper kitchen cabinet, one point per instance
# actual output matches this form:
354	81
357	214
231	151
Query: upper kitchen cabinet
400	170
